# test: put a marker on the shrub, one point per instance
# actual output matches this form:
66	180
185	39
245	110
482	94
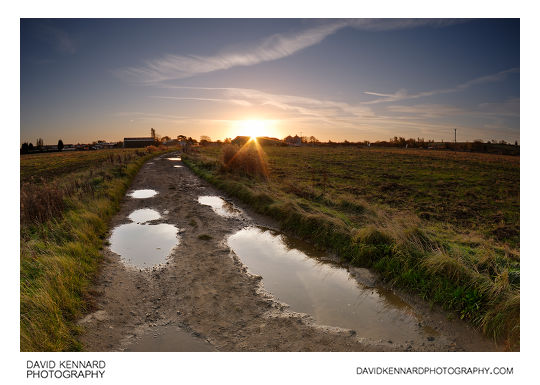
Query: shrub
249	160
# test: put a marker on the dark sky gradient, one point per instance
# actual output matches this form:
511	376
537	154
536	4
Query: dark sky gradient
83	80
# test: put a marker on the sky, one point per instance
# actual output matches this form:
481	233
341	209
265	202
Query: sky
355	79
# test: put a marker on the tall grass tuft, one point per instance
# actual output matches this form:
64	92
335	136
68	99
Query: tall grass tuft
248	160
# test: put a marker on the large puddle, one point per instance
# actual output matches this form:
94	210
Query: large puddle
295	274
175	159
219	205
143	245
142	194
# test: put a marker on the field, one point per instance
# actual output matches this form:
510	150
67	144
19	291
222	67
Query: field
442	224
67	200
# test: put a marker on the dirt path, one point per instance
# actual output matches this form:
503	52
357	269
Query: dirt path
204	298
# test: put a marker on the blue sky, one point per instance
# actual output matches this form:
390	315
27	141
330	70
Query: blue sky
358	79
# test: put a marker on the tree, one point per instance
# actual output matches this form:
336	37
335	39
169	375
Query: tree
153	133
24	148
60	145
39	143
313	139
30	147
181	137
165	138
205	138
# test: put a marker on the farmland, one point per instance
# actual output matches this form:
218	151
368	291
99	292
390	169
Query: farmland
443	225
67	200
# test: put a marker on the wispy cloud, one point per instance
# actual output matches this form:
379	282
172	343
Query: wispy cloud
228	100
508	108
274	47
403	94
57	38
424	119
297	105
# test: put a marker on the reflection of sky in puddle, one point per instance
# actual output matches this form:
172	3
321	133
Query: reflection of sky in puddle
144	215
143	245
324	290
169	339
175	159
219	205
178	166
141	194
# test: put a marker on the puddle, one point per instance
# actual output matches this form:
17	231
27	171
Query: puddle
170	339
143	245
178	166
141	194
324	290
220	206
144	215
176	159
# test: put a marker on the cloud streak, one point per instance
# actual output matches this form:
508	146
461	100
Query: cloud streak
403	95
274	47
426	118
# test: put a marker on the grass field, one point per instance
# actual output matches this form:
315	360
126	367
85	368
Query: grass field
67	200
442	224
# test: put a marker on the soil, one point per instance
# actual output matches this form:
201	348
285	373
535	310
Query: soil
206	295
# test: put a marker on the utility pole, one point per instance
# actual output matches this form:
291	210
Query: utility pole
455	135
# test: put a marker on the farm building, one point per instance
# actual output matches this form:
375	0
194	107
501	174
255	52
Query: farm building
138	142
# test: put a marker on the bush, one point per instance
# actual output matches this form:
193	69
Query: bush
249	160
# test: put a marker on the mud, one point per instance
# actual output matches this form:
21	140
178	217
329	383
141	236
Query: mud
203	296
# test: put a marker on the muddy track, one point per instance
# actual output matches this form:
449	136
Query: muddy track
203	293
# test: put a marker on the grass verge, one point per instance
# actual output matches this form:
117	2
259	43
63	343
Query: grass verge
67	201
468	274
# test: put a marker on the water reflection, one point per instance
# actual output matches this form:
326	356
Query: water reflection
220	206
143	245
144	215
142	194
324	290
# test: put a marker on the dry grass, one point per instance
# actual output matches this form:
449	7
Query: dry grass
247	160
425	220
66	202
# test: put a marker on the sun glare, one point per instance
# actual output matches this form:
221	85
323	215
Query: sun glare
254	128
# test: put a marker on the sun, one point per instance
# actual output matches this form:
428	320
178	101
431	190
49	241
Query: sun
254	128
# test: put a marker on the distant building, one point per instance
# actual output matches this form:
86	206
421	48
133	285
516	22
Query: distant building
240	140
138	142
268	141
293	141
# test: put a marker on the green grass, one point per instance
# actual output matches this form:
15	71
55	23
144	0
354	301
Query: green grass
67	200
444	225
